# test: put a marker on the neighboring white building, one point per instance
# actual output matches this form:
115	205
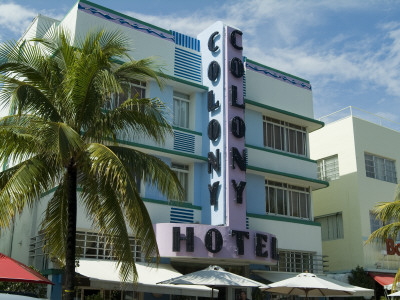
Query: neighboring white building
274	214
358	153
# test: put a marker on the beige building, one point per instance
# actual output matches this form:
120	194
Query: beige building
358	153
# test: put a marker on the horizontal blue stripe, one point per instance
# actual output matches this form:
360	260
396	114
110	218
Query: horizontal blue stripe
176	211
187	69
182	61
182	218
187	55
185	75
184	135
184	139
190	213
181	209
188	52
187	66
184	145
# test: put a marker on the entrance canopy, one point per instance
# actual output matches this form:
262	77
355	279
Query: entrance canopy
384	279
105	274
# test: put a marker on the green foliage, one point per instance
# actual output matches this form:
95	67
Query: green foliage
57	93
360	277
39	290
94	297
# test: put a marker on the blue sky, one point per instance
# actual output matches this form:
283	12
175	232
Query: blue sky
348	50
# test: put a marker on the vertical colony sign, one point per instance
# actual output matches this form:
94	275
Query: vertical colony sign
226	128
226	236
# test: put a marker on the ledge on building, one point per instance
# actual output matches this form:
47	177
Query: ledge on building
315	184
276	113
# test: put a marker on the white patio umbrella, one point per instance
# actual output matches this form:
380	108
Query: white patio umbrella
396	294
214	276
307	284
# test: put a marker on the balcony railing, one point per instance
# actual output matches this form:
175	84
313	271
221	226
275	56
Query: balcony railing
352	111
298	262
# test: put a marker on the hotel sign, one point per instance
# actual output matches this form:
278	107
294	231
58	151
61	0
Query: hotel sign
226	235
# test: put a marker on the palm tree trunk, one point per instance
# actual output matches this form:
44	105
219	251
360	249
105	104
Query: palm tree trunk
71	231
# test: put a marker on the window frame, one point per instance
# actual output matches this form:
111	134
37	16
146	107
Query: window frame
371	170
183	169
115	102
291	196
338	233
326	172
177	97
281	132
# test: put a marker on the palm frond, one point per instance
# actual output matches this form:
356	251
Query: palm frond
143	69
151	169
140	117
108	165
54	224
23	184
103	207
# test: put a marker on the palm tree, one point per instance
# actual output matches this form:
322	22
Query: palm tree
58	135
388	213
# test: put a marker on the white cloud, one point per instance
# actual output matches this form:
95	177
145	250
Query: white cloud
15	17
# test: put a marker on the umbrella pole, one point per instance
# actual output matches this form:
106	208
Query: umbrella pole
212	292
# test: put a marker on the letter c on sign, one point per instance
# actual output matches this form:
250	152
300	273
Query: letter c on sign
233	39
211	42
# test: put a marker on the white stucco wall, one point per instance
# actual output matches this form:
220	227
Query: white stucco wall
278	94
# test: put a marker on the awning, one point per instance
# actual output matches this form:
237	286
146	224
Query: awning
278	276
383	279
105	274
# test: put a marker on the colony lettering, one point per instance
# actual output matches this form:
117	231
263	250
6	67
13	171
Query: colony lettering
225	234
237	124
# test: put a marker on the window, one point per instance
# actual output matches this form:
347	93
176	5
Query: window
380	168
374	222
328	168
88	245
182	172
130	90
288	200
284	136
331	226
95	245
295	261
181	110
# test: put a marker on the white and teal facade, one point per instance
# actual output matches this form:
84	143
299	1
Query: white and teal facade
240	148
